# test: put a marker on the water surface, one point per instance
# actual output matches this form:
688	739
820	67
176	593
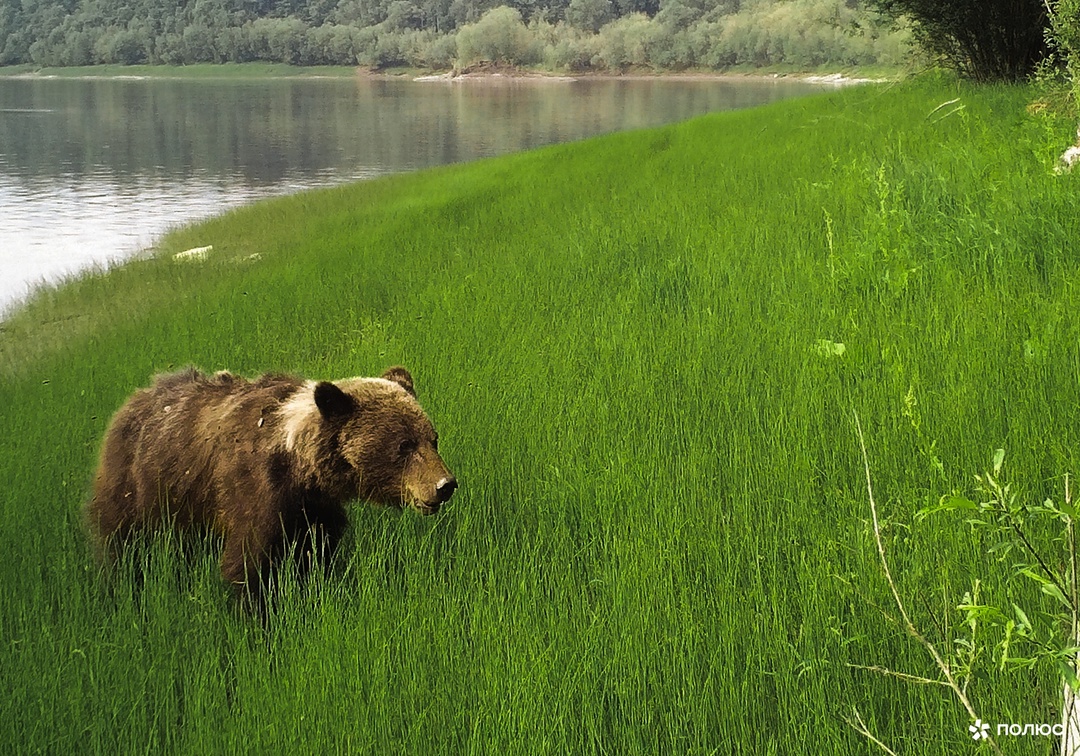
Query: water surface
94	170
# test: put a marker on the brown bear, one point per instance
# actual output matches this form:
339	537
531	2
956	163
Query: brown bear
268	464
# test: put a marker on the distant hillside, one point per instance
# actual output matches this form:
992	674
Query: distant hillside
442	34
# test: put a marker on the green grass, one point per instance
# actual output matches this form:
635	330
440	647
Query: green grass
661	540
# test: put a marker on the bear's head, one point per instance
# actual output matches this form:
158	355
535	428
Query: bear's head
383	441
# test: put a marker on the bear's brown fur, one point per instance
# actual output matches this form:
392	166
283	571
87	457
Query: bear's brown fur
268	464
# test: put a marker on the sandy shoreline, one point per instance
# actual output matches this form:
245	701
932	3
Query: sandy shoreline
834	79
482	76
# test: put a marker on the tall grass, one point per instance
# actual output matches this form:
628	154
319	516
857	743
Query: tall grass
630	347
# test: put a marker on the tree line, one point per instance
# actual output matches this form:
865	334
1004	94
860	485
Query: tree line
572	35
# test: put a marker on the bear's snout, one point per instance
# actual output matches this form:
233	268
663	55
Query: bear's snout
445	488
436	496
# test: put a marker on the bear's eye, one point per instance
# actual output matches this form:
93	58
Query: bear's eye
406	448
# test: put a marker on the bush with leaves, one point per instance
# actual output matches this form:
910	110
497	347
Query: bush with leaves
1036	544
500	36
1064	40
567	48
334	44
123	46
986	40
632	41
1057	103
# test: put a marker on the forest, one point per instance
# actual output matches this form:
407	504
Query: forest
568	35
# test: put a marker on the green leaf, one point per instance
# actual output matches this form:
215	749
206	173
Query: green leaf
830	348
952	501
1052	590
1047	586
982	613
1021	617
1068	674
999	457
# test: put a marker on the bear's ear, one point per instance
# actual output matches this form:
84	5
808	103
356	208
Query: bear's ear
401	377
332	401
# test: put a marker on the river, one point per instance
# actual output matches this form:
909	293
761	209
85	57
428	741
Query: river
95	170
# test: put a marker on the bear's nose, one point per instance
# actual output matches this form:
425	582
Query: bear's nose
445	488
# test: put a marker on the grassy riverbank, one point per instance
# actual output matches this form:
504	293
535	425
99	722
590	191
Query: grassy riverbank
631	348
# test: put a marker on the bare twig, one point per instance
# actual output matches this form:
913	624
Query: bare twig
1070	727
902	675
869	601
860	727
1050	11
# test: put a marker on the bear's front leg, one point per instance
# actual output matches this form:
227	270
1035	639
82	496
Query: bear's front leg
246	564
315	543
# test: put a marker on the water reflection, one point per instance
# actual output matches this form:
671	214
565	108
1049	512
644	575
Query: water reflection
94	170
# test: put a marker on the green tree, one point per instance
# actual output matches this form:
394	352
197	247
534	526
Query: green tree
630	42
198	45
565	33
124	46
286	40
500	36
985	40
333	44
360	13
679	14
402	14
589	15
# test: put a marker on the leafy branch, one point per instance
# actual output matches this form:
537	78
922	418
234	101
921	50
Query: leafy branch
1018	532
959	688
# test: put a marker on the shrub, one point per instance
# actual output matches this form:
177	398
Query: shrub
569	49
499	36
198	45
439	52
123	46
982	39
281	40
630	41
802	33
1065	39
332	44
